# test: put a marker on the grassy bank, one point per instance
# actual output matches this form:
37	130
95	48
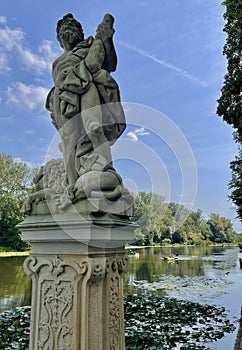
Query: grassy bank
9	254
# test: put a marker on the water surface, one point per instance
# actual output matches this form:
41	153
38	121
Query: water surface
209	275
15	285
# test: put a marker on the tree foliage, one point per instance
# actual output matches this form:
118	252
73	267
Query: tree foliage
150	208
236	182
230	102
221	228
160	222
14	186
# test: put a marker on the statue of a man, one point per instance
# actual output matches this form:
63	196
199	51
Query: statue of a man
85	104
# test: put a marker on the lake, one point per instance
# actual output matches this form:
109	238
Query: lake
210	275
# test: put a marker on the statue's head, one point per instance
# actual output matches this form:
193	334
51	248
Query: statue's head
69	29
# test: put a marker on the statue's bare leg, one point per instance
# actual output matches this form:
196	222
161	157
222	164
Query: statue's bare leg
69	136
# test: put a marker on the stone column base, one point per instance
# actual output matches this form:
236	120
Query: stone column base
77	273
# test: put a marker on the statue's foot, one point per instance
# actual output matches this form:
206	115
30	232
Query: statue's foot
80	194
99	184
71	190
110	195
64	204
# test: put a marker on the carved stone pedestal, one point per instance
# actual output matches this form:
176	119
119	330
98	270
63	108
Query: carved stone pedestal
77	294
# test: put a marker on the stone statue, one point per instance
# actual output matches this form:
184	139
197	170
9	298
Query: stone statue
86	110
79	214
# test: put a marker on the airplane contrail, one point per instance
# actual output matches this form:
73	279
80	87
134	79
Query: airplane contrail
182	71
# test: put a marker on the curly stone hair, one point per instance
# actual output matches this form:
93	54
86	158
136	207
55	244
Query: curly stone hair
69	18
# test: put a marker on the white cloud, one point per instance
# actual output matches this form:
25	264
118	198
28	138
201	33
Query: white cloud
38	63
134	135
48	49
26	96
3	19
165	63
12	42
32	61
4	65
20	160
10	38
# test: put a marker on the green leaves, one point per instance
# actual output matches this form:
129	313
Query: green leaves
164	223
151	322
154	322
14	186
14	328
230	102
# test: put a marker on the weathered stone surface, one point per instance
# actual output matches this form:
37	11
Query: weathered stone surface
77	301
70	234
77	292
51	196
79	217
86	111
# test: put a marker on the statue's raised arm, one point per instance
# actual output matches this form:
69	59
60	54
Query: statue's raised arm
102	54
86	110
105	32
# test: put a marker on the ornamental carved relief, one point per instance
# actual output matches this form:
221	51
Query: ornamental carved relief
70	290
114	313
55	280
54	266
116	266
56	316
99	268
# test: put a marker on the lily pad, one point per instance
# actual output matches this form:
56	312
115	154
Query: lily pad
173	324
151	322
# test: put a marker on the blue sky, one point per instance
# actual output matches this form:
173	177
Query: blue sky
170	72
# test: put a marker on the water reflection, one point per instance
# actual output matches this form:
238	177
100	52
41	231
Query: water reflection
15	286
205	264
214	263
203	274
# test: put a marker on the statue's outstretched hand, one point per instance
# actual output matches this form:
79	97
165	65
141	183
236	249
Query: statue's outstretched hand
104	33
105	30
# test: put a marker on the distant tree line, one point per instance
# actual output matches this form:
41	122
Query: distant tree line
164	223
159	222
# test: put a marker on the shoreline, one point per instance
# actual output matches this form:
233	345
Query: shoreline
26	253
12	254
223	245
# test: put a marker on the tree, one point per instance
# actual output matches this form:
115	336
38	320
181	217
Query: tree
179	216
194	229
149	212
230	103
221	228
160	222
236	182
14	187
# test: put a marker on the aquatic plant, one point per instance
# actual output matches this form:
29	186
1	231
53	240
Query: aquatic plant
160	323
151	322
14	328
